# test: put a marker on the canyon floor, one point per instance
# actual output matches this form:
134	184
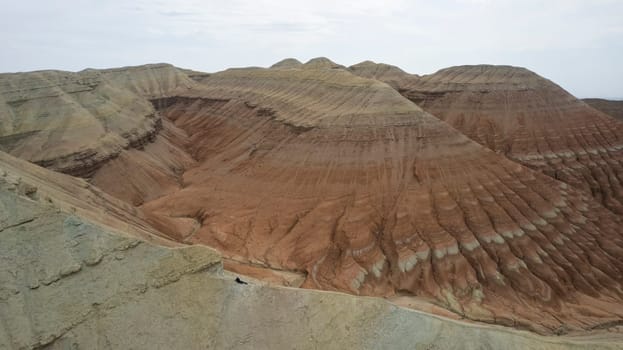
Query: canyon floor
365	207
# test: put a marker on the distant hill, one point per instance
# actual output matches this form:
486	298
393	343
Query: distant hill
613	108
531	120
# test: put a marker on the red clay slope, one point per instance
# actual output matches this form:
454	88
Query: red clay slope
314	169
531	120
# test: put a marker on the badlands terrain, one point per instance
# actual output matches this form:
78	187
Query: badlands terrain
511	111
131	199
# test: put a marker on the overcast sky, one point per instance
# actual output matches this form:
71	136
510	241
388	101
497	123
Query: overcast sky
576	43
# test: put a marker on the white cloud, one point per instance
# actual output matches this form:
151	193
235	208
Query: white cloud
563	40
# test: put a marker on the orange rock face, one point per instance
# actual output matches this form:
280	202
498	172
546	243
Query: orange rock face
312	169
531	120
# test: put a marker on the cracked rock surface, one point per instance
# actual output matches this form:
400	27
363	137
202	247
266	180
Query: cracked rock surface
75	122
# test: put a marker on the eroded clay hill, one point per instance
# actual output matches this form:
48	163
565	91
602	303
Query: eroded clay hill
309	168
531	120
68	281
340	177
392	75
75	122
610	107
58	192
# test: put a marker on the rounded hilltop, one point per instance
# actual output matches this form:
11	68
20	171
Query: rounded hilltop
387	73
321	63
483	77
287	63
531	120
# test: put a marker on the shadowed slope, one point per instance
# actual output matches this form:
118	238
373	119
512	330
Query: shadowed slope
531	120
320	171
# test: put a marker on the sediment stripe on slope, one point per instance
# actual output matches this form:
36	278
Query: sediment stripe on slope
67	282
529	119
339	176
75	122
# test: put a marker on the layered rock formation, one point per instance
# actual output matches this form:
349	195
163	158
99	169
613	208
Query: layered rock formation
531	120
70	283
287	63
319	171
72	195
75	122
314	170
610	107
